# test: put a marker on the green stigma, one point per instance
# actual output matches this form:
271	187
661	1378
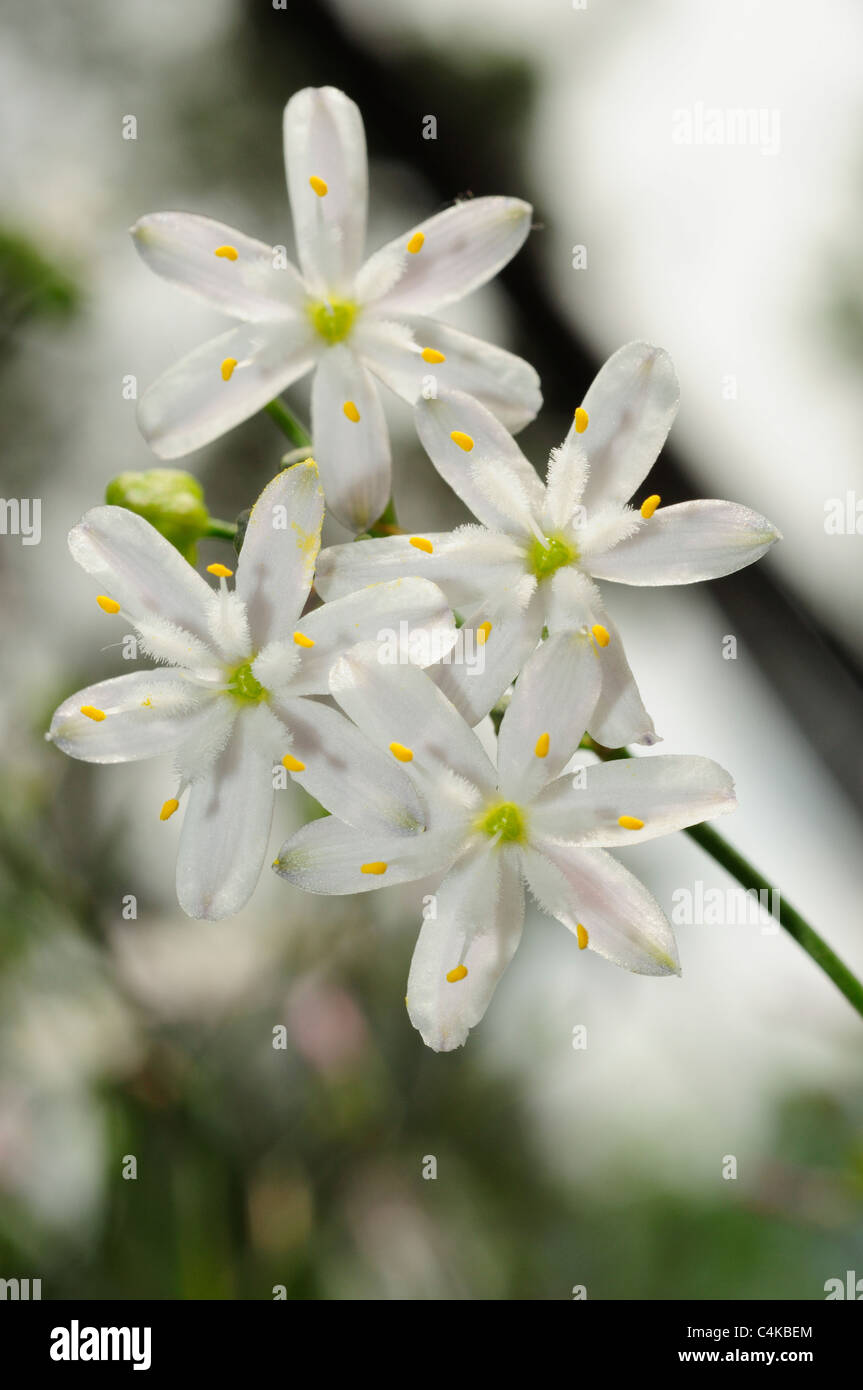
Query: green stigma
332	318
245	686
545	560
505	820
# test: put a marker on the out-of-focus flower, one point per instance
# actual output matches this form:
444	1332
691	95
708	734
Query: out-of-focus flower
231	700
490	829
532	561
349	320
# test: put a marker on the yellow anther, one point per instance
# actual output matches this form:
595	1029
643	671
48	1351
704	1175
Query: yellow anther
432	355
376	867
147	704
542	743
482	633
169	808
602	634
228	253
582	420
649	505
404	755
581	936
228	368
318	186
351	412
630	823
302	640
463	441
457	974
422	544
293	764
220	571
416	242
93	713
107	605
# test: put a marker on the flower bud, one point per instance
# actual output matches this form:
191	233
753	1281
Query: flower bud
171	500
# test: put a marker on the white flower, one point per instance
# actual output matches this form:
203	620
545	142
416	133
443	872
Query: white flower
348	320
532	561
231	700
490	828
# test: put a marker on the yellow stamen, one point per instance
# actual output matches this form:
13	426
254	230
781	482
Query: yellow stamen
630	823
351	412
602	634
220	571
228	368
404	755
228	253
416	242
482	633
457	974
147	704
463	441
93	713
376	867
293	764
318	186
542	743
582	419
169	808
302	640
107	605
422	544
432	355
649	505
581	935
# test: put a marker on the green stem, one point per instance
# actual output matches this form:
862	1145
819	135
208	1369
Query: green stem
221	530
751	879
288	423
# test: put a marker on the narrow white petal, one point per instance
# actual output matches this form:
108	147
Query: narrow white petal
352	444
478	671
182	248
589	888
474	920
280	547
327	856
146	713
631	405
688	542
324	139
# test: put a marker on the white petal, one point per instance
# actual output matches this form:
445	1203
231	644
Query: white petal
667	793
476	922
548	713
353	456
324	139
505	384
623	921
146	713
191	404
567	478
463	247
206	737
344	771
688	542
631	405
477	673
181	247
227	821
277	561
466	563
409	618
400	705
327	856
492	477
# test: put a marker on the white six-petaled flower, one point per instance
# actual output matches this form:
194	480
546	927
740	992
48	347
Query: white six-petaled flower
491	828
233	699
531	562
349	320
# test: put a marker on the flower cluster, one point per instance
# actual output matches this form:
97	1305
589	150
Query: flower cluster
254	683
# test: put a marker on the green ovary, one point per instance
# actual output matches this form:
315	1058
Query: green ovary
505	820
332	318
245	687
546	560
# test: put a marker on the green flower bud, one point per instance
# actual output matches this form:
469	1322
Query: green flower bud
171	500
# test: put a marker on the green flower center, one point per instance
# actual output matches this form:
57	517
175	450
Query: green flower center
245	686
545	560
332	318
506	820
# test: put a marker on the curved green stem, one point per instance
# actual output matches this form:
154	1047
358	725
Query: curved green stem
288	423
221	530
